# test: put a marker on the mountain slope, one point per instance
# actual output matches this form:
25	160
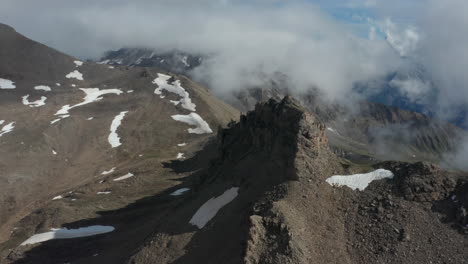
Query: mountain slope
134	165
390	128
175	61
66	132
267	184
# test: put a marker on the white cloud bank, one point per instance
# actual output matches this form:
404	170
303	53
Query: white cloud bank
248	41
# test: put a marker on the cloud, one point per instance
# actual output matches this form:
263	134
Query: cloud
404	40
444	51
248	41
414	89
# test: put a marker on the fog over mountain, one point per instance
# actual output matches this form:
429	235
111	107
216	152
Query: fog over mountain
233	131
329	45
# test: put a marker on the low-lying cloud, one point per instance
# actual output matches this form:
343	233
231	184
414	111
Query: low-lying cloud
248	41
251	41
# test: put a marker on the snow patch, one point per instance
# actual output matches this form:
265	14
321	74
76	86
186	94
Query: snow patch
75	74
36	103
92	95
103	192
182	144
114	139
58	84
78	63
54	152
209	209
109	171
130	91
180	156
126	176
111	67
194	119
6	84
65	233
179	191
90	118
359	181
175	87
57	197
7	128
43	88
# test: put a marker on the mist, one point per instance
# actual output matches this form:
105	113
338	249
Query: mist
251	41
245	39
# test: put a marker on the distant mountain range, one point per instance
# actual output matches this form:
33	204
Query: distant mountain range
175	61
410	88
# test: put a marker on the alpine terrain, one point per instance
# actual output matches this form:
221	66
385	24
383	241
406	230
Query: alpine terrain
128	160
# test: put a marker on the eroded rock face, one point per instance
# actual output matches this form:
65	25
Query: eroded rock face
280	131
421	181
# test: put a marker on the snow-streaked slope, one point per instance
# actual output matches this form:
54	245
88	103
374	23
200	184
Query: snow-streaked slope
176	88
209	209
114	139
92	95
359	181
64	233
194	119
36	103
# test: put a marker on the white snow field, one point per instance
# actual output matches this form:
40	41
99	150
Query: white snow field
65	233
43	88
6	84
36	103
126	176
92	95
78	63
2	121
176	88
194	119
180	156
179	191
109	171
359	181
209	209
75	74
114	139
7	128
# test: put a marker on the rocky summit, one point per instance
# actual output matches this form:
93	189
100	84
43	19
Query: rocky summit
108	163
